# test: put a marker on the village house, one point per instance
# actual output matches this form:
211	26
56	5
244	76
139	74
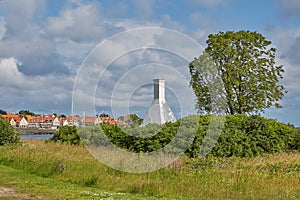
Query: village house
65	122
54	122
23	123
73	120
108	120
13	119
90	121
13	123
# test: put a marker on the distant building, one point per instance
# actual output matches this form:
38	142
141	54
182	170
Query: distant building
65	123
13	123
23	123
13	119
73	120
56	123
159	111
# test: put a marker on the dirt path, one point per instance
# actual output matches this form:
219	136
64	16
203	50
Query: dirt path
10	193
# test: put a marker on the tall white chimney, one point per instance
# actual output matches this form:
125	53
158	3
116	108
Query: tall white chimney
159	111
159	89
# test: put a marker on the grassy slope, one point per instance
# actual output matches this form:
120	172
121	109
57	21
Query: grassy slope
29	186
57	171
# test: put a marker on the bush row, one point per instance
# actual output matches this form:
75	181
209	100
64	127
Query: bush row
233	135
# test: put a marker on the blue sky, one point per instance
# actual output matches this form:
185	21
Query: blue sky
44	42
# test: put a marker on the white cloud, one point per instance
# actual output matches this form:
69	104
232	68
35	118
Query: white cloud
287	44
19	14
9	73
2	28
167	22
82	23
39	93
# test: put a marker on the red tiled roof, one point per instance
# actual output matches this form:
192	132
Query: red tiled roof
72	119
108	120
89	119
11	116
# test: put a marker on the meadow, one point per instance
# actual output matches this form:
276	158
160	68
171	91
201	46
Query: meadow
35	169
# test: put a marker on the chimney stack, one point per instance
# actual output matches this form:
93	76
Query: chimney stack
159	111
159	89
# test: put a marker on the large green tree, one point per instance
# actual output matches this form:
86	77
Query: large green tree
238	70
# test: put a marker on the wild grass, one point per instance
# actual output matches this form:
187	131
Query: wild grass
273	176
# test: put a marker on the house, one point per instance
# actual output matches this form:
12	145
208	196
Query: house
46	121
23	123
13	119
42	121
56	123
65	122
90	121
108	120
13	123
98	121
34	122
73	120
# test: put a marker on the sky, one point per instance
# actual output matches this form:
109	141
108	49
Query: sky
44	44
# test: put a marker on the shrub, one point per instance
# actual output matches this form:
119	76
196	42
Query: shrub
66	134
244	135
241	136
8	135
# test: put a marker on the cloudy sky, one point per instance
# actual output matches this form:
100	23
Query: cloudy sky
44	44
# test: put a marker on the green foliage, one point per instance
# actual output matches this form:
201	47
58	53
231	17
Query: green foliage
63	116
138	139
8	135
246	136
104	115
135	120
241	136
237	74
2	112
26	112
66	134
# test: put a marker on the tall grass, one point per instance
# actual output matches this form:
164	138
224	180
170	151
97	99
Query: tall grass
264	177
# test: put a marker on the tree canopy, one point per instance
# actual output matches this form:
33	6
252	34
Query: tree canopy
2	112
244	62
104	115
26	112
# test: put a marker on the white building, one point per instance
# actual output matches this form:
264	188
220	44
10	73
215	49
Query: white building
56	123
159	111
13	122
66	123
23	123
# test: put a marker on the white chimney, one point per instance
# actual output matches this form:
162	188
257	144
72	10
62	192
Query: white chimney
159	89
159	111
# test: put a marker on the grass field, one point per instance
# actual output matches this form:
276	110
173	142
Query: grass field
39	170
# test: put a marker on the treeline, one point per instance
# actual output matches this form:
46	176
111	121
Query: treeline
240	135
